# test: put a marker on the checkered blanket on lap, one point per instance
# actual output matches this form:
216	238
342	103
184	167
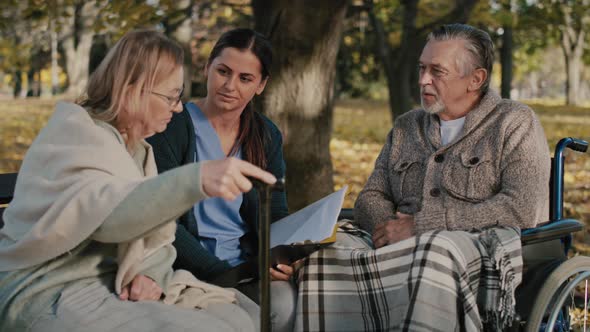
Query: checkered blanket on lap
438	281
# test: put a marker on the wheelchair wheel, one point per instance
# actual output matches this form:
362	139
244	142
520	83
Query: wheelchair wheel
563	296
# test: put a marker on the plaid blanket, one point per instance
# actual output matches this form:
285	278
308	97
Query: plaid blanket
438	281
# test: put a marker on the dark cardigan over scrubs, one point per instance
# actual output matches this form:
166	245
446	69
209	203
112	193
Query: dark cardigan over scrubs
175	147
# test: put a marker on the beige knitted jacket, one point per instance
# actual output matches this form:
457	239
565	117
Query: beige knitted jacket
496	172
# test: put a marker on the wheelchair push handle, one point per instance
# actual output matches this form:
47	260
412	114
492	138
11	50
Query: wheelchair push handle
578	145
575	144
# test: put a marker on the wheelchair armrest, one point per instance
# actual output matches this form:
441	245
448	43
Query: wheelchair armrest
553	230
550	231
346	214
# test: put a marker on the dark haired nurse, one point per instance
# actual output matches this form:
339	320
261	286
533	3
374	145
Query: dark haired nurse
217	236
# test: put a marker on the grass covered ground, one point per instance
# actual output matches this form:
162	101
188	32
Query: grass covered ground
360	128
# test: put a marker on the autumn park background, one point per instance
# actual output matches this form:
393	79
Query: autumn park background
349	68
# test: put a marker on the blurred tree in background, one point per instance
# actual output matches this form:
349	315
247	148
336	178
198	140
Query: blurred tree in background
325	49
379	48
15	42
566	21
306	36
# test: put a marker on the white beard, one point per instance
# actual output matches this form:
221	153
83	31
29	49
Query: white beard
434	108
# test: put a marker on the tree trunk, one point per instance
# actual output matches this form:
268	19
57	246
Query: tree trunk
18	83
98	52
573	64
506	61
54	67
400	79
572	51
179	27
32	84
397	86
299	96
77	43
572	43
34	73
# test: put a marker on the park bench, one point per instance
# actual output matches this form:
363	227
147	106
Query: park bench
7	183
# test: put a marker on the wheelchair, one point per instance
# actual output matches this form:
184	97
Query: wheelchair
554	288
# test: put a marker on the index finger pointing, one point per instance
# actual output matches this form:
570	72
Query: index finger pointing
248	169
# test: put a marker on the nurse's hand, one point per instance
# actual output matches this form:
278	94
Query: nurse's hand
227	178
282	272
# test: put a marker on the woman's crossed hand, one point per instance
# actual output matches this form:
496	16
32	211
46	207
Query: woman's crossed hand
141	288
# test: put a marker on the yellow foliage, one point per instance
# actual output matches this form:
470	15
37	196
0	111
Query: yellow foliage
62	77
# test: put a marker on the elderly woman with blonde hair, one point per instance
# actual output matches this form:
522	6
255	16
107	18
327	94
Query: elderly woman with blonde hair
87	241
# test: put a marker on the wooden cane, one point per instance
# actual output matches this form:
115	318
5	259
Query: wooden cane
264	195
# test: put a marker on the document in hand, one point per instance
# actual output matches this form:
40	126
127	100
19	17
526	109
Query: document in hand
307	230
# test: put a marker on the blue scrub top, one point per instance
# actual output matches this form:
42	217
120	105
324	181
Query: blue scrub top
219	221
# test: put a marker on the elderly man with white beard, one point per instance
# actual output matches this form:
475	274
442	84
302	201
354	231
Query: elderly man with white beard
455	182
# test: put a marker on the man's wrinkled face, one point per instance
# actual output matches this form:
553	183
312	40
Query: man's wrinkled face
443	78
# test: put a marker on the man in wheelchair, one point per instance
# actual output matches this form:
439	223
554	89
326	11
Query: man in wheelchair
453	186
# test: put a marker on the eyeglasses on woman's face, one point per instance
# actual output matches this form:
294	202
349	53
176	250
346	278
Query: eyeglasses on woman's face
172	101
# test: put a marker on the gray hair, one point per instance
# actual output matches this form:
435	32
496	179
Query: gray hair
478	44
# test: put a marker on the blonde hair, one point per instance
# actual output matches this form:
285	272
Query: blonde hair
134	65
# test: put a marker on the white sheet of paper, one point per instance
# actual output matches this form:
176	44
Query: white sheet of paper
315	222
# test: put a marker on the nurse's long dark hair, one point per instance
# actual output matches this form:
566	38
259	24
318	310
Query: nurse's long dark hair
252	134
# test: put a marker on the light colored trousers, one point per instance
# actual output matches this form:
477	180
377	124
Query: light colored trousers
94	308
282	305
